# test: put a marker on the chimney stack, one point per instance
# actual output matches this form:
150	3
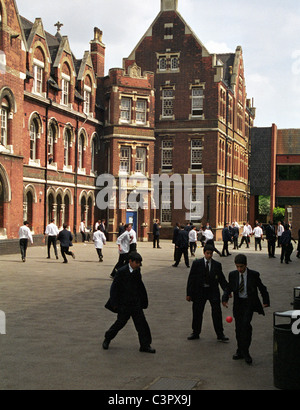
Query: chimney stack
98	52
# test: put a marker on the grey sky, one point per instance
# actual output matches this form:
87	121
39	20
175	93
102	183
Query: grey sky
268	31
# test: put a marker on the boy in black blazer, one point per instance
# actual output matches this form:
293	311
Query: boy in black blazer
245	283
128	298
203	284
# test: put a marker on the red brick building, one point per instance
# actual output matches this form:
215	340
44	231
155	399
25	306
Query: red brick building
202	116
174	108
54	143
128	144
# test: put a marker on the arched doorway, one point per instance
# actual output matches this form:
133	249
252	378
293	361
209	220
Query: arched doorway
50	207
67	210
29	208
59	211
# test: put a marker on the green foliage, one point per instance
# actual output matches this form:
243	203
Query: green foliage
278	214
264	205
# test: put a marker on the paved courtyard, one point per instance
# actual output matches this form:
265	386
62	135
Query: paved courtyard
55	322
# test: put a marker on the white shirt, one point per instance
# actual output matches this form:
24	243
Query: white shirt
280	230
24	233
124	242
247	230
133	234
82	227
208	235
51	230
193	236
99	239
257	232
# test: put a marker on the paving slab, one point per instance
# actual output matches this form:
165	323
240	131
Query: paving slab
56	320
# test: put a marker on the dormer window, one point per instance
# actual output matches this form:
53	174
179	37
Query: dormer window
87	99
38	74
65	89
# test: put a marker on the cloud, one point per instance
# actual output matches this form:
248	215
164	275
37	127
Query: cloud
217	48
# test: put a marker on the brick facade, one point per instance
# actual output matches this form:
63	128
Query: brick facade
201	105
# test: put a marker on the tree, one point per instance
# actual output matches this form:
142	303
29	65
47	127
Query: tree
278	214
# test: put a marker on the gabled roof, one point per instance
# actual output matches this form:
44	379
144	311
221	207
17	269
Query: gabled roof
81	64
188	30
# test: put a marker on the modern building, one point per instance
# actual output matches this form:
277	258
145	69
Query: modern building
274	168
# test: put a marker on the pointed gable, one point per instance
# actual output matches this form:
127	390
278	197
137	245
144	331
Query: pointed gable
86	64
64	49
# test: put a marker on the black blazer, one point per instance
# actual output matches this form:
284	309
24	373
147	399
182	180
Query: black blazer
156	229
65	237
182	240
254	284
127	290
196	280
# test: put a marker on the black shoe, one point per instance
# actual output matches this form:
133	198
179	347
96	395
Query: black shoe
223	339
193	337
105	344
48	257
188	266
175	266
56	257
237	356
248	359
65	261
147	349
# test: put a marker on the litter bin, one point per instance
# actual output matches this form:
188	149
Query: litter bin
297	298
286	356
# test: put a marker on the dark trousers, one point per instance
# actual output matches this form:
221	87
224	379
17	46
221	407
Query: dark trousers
133	247
52	241
123	259
245	239
225	248
23	247
271	246
65	251
243	329
156	241
286	252
198	309
179	253
235	242
193	247
83	235
257	243
99	253
139	321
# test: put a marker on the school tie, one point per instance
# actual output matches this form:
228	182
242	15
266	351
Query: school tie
207	273
242	284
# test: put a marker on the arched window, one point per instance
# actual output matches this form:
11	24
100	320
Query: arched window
34	133
94	152
67	148
81	152
51	139
4	122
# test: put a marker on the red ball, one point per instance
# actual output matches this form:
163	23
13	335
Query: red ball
229	319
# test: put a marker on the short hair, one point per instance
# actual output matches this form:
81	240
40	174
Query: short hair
65	226
240	259
135	257
208	248
26	223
